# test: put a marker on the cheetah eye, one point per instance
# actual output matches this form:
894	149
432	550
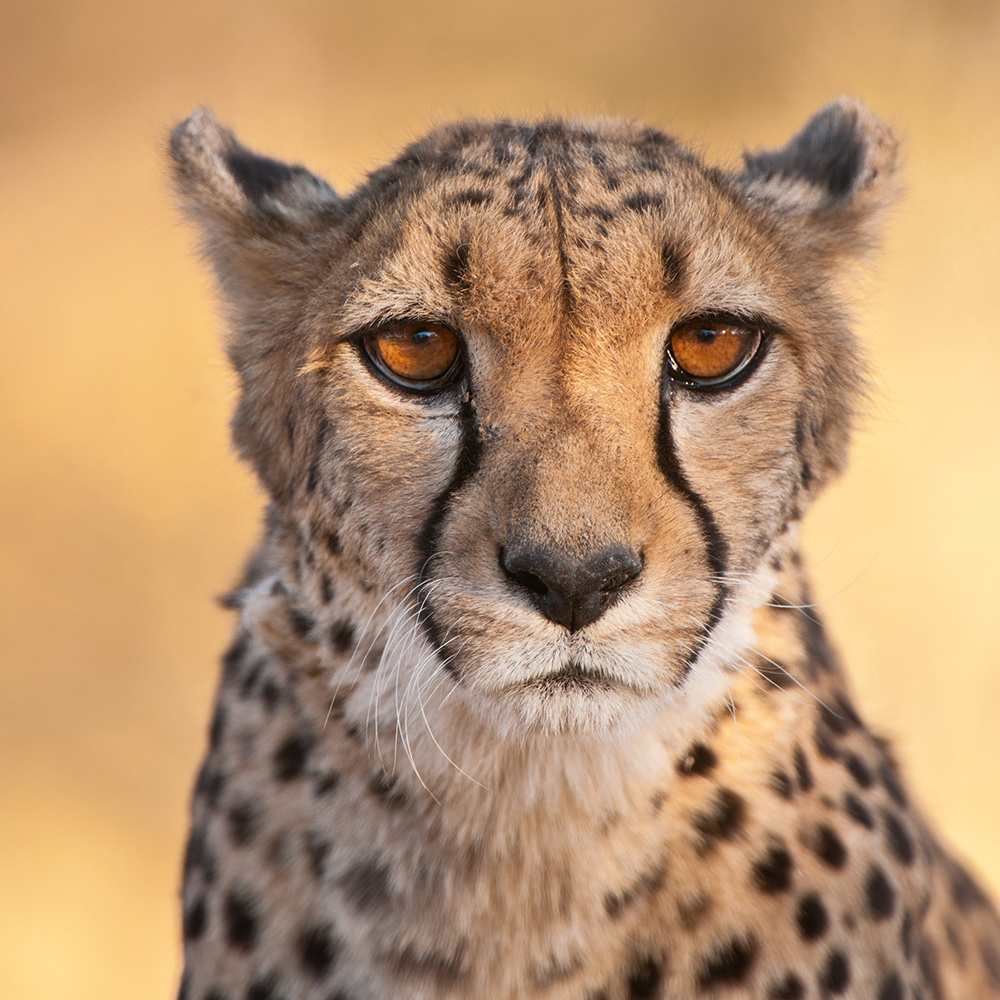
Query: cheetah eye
711	352
415	355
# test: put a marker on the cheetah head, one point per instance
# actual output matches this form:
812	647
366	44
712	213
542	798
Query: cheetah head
542	404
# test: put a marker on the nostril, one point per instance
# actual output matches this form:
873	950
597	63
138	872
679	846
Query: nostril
527	580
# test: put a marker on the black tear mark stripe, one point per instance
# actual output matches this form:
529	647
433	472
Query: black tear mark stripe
716	546
466	466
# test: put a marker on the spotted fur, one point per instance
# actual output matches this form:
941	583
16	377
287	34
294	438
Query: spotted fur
421	785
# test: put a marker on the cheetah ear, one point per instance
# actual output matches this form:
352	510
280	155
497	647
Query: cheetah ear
256	214
842	169
264	225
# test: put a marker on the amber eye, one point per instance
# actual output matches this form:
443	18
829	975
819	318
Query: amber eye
416	355
711	352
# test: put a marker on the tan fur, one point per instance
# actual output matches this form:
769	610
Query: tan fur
420	786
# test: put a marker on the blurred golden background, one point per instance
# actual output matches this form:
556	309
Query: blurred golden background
124	513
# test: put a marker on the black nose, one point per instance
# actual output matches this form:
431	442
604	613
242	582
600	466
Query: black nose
571	592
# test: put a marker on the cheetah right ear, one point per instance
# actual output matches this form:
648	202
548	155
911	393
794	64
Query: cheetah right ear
840	171
255	214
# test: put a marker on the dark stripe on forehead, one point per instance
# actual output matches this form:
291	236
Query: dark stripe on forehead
455	268
466	466
716	546
673	259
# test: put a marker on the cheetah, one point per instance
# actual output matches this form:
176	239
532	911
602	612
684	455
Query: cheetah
528	697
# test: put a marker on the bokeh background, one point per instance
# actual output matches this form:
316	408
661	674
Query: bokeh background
124	513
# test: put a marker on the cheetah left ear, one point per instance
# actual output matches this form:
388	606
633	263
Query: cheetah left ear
257	215
842	170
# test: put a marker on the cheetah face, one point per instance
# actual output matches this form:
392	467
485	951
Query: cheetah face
557	393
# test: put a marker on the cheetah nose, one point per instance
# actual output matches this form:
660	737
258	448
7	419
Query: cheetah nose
571	593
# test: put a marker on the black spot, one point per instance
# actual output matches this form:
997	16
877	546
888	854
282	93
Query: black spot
250	679
729	962
195	920
811	917
210	785
725	819
318	850
673	261
644	982
302	624
858	811
782	784
835	976
790	987
846	710
888	775
824	743
802	770
772	872
819	655
880	893
290	758
860	771
234	657
898	839
326	783
342	636
264	988
218	726
270	694
366	885
318	949
387	789
836	721
198	856
242	823
699	759
326	587
891	988
241	920
829	847
333	543
456	268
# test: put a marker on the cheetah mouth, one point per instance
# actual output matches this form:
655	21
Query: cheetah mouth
572	677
